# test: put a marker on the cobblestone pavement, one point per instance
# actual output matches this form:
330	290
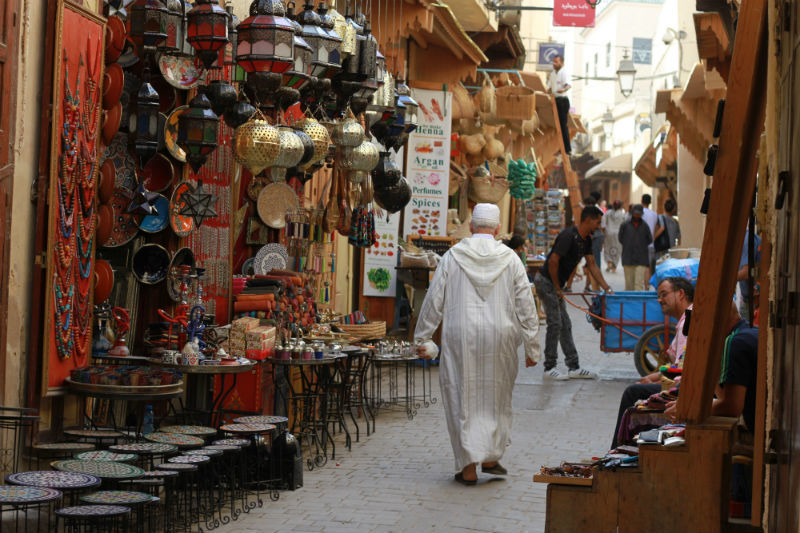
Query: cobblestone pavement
401	477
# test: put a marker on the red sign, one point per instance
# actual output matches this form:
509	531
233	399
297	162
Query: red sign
576	13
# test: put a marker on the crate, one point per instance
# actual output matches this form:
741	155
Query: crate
633	311
516	102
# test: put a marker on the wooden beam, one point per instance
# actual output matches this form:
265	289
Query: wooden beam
569	174
759	431
732	194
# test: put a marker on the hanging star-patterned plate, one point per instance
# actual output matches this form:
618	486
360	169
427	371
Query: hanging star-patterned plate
181	225
199	205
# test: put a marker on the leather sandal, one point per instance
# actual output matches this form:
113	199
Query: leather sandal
469	482
496	470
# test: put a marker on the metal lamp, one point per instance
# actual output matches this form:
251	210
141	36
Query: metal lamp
410	107
607	121
147	24
197	131
626	75
207	30
325	45
299	74
174	26
143	122
266	39
233	36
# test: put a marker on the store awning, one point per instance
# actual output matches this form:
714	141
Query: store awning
658	160
617	166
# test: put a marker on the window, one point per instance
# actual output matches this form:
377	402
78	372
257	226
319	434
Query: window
595	64
608	54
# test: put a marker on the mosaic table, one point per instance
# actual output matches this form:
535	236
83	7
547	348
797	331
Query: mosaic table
160	473
117	497
198	431
72	447
54	479
101	469
203	451
25	495
261	419
144	448
247	428
101	455
93	433
178	439
232	442
220	448
181	467
93	511
189	459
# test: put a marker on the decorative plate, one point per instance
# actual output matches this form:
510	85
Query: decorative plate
232	442
105	223
93	510
124	163
272	255
261	419
64	446
171	134
183	467
181	72
128	57
247	428
178	439
181	225
157	174
125	224
144	448
274	201
115	38
107	182
156	223
160	473
102	455
113	85
191	459
189	430
13	494
93	433
249	266
117	496
53	479
111	121
101	469
210	452
150	264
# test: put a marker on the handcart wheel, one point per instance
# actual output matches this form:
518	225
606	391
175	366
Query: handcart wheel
649	353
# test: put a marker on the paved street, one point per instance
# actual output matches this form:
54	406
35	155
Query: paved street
401	477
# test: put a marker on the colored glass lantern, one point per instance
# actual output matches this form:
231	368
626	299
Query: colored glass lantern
368	61
143	123
197	131
207	30
174	26
410	107
266	39
298	76
147	25
233	37
325	46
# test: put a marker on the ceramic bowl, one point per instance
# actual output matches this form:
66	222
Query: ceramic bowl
150	264
113	83
106	183
157	222
103	280
157	174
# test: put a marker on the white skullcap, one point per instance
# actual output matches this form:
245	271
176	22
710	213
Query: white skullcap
486	215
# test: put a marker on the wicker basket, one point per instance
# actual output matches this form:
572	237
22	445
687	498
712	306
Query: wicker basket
457	177
487	190
369	331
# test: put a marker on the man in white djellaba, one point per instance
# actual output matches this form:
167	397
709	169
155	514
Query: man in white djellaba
481	296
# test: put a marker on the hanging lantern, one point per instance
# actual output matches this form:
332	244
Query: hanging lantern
350	65
197	131
186	47
348	133
222	96
233	37
265	39
361	159
147	25
410	107
299	74
340	27
291	152
256	145
368	62
239	113
143	123
174	27
207	30
319	136
325	45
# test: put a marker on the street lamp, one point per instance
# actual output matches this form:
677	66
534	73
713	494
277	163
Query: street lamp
626	74
607	120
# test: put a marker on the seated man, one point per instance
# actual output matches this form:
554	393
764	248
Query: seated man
675	295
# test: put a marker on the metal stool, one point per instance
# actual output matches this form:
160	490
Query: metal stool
53	451
96	436
183	488
258	461
136	500
102	455
161	485
147	452
94	518
71	484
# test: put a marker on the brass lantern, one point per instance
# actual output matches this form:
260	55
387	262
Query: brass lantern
256	144
368	62
143	123
147	24
320	137
291	152
350	65
266	39
325	45
298	76
197	131
340	27
174	27
207	30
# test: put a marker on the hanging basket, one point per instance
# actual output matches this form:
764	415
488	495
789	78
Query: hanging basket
498	170
458	176
463	105
515	102
368	331
487	190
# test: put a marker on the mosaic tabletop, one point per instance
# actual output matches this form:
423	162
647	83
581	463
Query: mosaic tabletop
177	466
220	448
261	419
124	497
101	469
64	446
232	442
93	433
247	428
196	459
178	439
201	431
105	511
53	479
160	473
203	451
101	455
144	448
13	494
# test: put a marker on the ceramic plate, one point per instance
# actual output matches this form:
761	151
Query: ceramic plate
274	201
105	189
113	85
157	173
272	255
125	224
249	266
150	264
115	38
111	121
124	163
181	72
105	223
181	225
128	57
156	223
171	134
104	280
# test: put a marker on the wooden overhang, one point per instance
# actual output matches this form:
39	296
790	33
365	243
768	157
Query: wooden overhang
714	43
658	160
503	47
692	110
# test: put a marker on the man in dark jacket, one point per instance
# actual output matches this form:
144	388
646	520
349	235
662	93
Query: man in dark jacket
635	237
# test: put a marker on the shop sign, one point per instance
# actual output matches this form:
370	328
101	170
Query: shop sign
380	277
428	165
574	13
547	51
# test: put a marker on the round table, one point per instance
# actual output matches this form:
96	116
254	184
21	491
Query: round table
189	459
247	429
97	434
261	419
21	500
197	431
54	479
178	439
117	497
144	448
70	447
98	517
101	469
232	442
102	455
203	451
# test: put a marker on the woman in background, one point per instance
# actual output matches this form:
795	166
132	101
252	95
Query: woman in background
612	220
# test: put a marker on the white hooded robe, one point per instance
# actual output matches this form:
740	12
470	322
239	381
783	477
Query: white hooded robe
482	297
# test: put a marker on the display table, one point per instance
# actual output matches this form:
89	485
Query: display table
397	373
22	501
101	469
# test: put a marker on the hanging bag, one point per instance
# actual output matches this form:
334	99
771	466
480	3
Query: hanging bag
662	242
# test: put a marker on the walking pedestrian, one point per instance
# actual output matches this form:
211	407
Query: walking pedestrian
482	297
635	237
612	221
572	245
558	86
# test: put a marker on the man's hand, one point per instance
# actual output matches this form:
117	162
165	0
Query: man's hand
650	378
529	362
560	294
671	411
609	290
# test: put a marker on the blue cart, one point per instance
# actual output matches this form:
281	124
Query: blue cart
632	321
